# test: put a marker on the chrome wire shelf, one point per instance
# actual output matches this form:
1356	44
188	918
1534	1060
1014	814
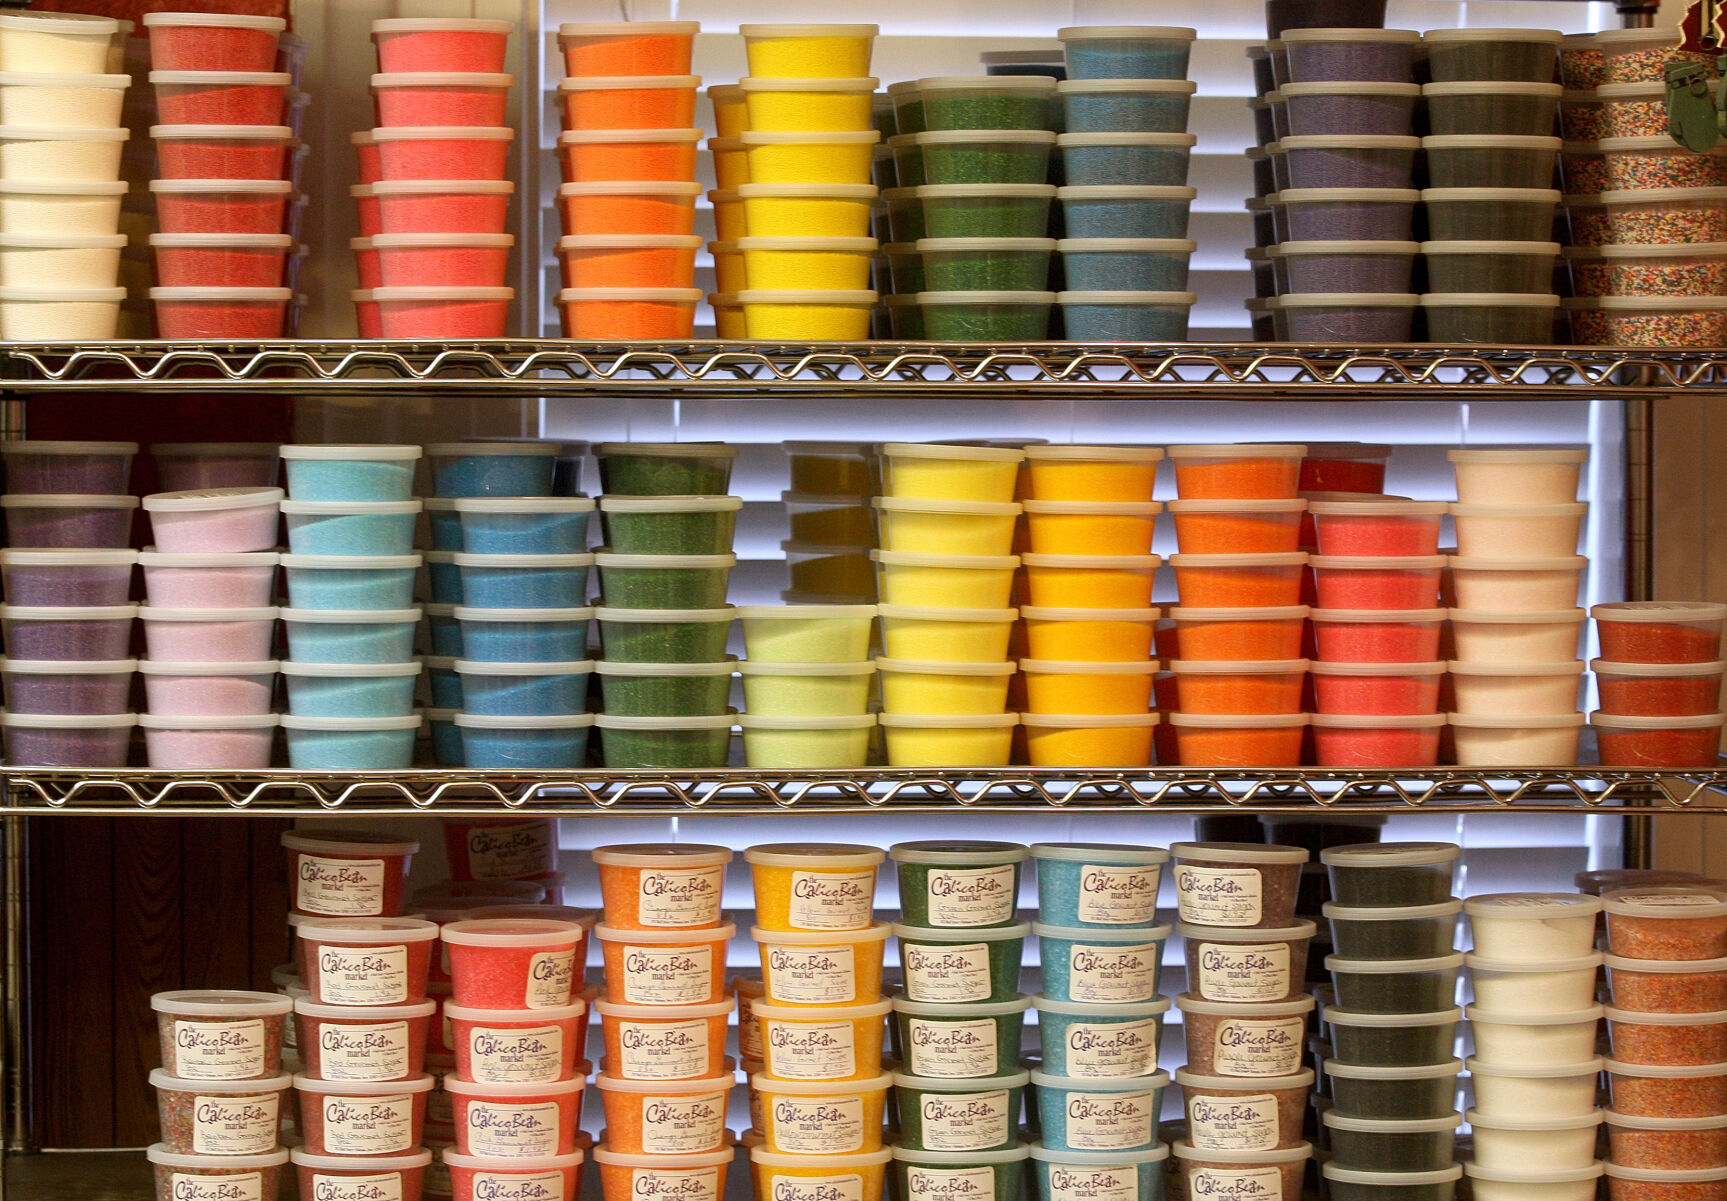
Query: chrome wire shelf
1177	371
32	791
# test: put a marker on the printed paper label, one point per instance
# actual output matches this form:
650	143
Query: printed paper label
946	973
848	1187
981	896
512	1056
385	1186
1231	972
810	1051
371	1052
678	976
1112	1048
749	1031
949	1184
220	1050
1676	900
514	1186
362	975
696	1184
812	975
680	897
1118	896
1236	1184
340	887
1218	896
1111	974
235	1125
1110	1121
832	900
369	1125
1070	1182
683	1125
818	1125
951	1049
1233	1123
512	1131
965	1121
1266	1047
663	1050
551	979
510	852
239	1186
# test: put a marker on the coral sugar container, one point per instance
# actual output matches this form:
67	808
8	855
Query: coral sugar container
1659	689
448	260
1669	923
652	886
212	41
443	311
627	47
515	1121
443	152
1660	631
234	206
629	101
1377	582
220	260
424	98
441	44
418	206
1237	472
1269	740
222	151
1659	741
1232	633
219	97
523	1046
514	963
1377	527
242	314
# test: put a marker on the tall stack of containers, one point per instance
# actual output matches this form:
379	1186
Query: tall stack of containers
822	1089
433	182
130	56
68	614
1125	104
807	682
1516	627
830	518
1238	673
1236	905
61	140
1535	1072
224	152
665	678
946	568
1098	1094
628	155
1660	687
1491	107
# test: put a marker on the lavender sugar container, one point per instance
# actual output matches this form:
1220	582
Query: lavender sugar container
1349	214
88	468
60	687
68	633
50	740
68	577
1338	54
1351	160
65	521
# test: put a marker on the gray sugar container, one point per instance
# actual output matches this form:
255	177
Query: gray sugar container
1492	107
1349	317
1490	266
1490	214
1511	55
1351	161
1490	317
1490	161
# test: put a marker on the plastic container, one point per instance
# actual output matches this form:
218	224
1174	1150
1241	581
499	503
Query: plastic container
1492	54
1647	1090
1394	1148
1245	687
1660	631
664	635
1093	1113
343	636
945	966
1236	884
1125	105
808	51
1489	741
1489	687
976	1114
222	1118
666	1042
837	157
1393	1039
552	525
1395	985
812	1043
1658	689
1399	932
1428	1091
190	690
351	743
58	687
515	1121
1516	638
1534	1039
666	1117
212	41
1125	211
959	1041
1475	214
1126	51
1494	107
210	97
1533	927
1240	634
443	152
1352	107
1490	266
819	969
1667	923
351	689
1226	1113
1090	581
1490	160
62	520
67	155
1664	1144
662	742
213	520
1104	159
1350	160
1521	986
1249	580
918	740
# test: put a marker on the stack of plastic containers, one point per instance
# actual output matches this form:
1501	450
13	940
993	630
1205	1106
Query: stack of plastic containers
61	139
350	569
1660	683
828	510
1236	904
67	618
628	153
947	520
1491	109
433	182
808	681
1238	671
821	1091
665	679
1516	628
224	152
1535	1072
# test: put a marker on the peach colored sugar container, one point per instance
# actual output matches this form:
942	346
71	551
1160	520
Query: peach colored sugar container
425	98
208	206
220	260
635	313
417	206
441	44
514	963
221	313
219	97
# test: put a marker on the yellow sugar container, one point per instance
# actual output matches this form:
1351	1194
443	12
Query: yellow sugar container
1053	686
809	105
945	581
808	51
799	1119
807	264
731	162
1090	581
959	527
776	315
731	111
943	689
1084	740
807	689
814	886
728	267
819	968
924	740
808	210
814	157
1080	527
1101	474
944	471
946	635
728	316
829	569
806	633
802	1043
1089	635
781	1176
805	742
729	218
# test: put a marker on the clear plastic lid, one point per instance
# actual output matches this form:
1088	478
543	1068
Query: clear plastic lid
1356	87
1391	854
445	133
1605	667
158	1153
1122	1009
596	83
553	721
1543	1071
1568	563
1261	613
1664	1177
1299	1153
1532	906
1673	901
215	21
465	613
963	934
66	500
1184	141
1524	721
957	721
1134	935
350	562
1394	913
1127	192
1651	611
867	137
807	31
1575	1017
1616	721
826	1013
1630	1018
1381	616
204	500
1650	1071
1376	669
1237	852
906	558
1242	667
1214	721
1105	562
1394	967
1507	617
1492	195
936	1084
220	242
79	449
664	616
160	1079
1129	33
210	1002
1629	1121
719	721
443	187
94	667
1019	1004
350	1164
1579	963
1097	852
1295	933
156	667
350	724
332	616
229	79
73	613
1426	1071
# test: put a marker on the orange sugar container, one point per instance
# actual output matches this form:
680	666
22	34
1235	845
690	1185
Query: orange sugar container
626	1177
1077	527
588	155
628	207
1090	581
661	1117
1237	527
664	967
596	314
1267	686
1088	635
1238	581
1089	740
1106	474
628	47
629	101
664	1042
1057	687
1259	740
629	260
731	109
1248	471
1267	633
661	886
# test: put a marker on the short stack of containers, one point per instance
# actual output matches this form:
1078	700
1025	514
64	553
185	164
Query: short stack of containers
1491	107
808	682
947	520
822	1089
1101	948
1236	905
665	679
1238	671
1516	627
1660	683
628	154
518	581
831	521
433	182
61	140
1535	1072
224	155
350	568
68	613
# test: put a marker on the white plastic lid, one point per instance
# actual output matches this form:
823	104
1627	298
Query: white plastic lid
210	1002
1399	36
1261	613
368	930
61	24
1512	617
68	613
372	1088
1018	1004
1606	667
204	500
936	1084
514	931
1112	562
800	31
826	856
1164	87
606	1082
654	854
957	721
1395	967
349	671
1389	1021
1630	1018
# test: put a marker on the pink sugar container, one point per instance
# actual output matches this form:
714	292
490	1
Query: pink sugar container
222	151
208	635
365	198
220	260
366	153
442	260
221	206
219	97
1377	636
422	98
417	206
184	466
240	314
244	580
55	740
441	44
1375	526
209	689
366	317
214	520
1377	582
68	521
1411	740
443	312
366	262
228	742
55	686
212	41
444	152
1377	689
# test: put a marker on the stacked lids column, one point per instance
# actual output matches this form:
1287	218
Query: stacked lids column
1236	902
1660	682
807	683
68	618
628	154
433	182
224	153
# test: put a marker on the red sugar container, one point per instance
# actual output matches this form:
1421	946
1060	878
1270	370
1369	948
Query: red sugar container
1349	740
1377	636
366	960
444	152
418	206
473	1178
222	151
220	260
589	155
366	203
1372	526
366	261
629	260
597	314
327	1177
1377	582
242	314
490	849
628	207
443	312
448	260
371	325
627	47
1226	581
517	1046
629	101
347	873
1344	467
1660	631
441	44
221	206
220	97
422	98
364	1042
1377	689
1659	689
511	1121
377	1118
212	41
514	963
1658	741
366	153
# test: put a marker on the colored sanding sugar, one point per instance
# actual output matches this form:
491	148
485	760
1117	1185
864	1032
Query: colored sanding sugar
665	469
665	689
